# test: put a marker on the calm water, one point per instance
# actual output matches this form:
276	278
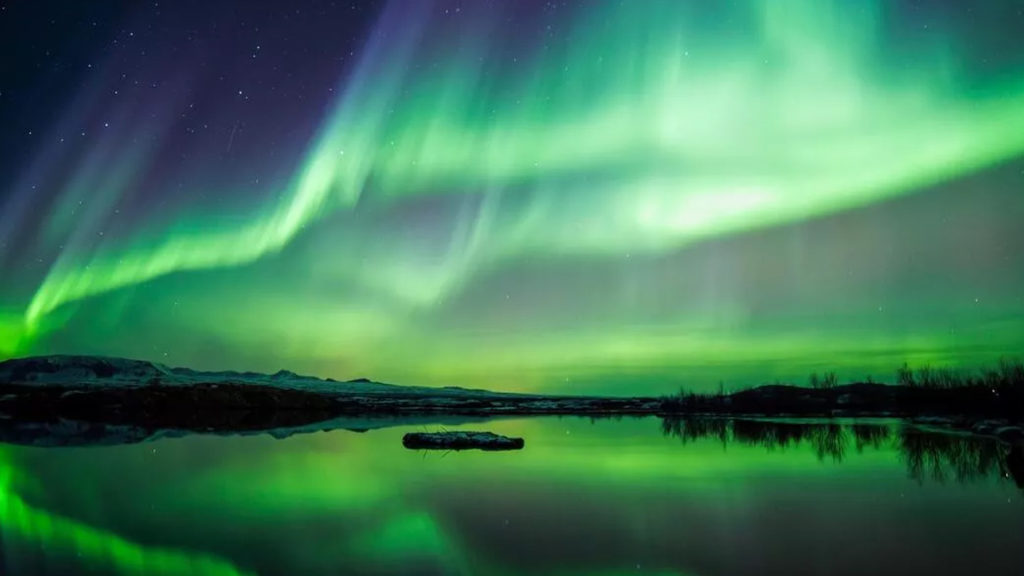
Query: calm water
635	496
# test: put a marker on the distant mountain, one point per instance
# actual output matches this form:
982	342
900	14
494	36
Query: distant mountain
77	371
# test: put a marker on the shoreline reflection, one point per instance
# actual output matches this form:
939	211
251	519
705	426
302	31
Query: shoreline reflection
927	455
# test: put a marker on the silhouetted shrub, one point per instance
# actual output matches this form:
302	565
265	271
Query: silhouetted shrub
905	376
824	382
814	380
829	381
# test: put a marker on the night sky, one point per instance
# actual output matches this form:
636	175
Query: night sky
593	197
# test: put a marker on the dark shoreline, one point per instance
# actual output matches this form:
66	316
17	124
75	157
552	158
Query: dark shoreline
40	394
248	408
156	403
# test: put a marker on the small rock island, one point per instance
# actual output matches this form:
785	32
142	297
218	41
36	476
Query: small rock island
463	440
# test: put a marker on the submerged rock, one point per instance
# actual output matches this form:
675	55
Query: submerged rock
460	441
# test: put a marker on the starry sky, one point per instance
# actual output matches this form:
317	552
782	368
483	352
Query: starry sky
584	197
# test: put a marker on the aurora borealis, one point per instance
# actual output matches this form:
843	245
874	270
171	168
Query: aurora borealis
602	197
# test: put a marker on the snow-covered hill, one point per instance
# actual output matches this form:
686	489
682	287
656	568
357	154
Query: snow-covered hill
92	372
96	371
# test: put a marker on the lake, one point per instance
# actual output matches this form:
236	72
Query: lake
601	497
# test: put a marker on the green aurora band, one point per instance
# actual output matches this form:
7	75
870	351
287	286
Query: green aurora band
91	547
635	133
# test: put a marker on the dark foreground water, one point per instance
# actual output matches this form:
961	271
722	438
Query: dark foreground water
632	496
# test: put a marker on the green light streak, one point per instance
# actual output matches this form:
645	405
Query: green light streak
675	134
93	547
11	326
411	538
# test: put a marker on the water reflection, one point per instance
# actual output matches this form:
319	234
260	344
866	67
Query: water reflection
601	497
23	527
927	455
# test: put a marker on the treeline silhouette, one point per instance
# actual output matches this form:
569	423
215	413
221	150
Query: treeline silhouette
991	393
927	455
1007	376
